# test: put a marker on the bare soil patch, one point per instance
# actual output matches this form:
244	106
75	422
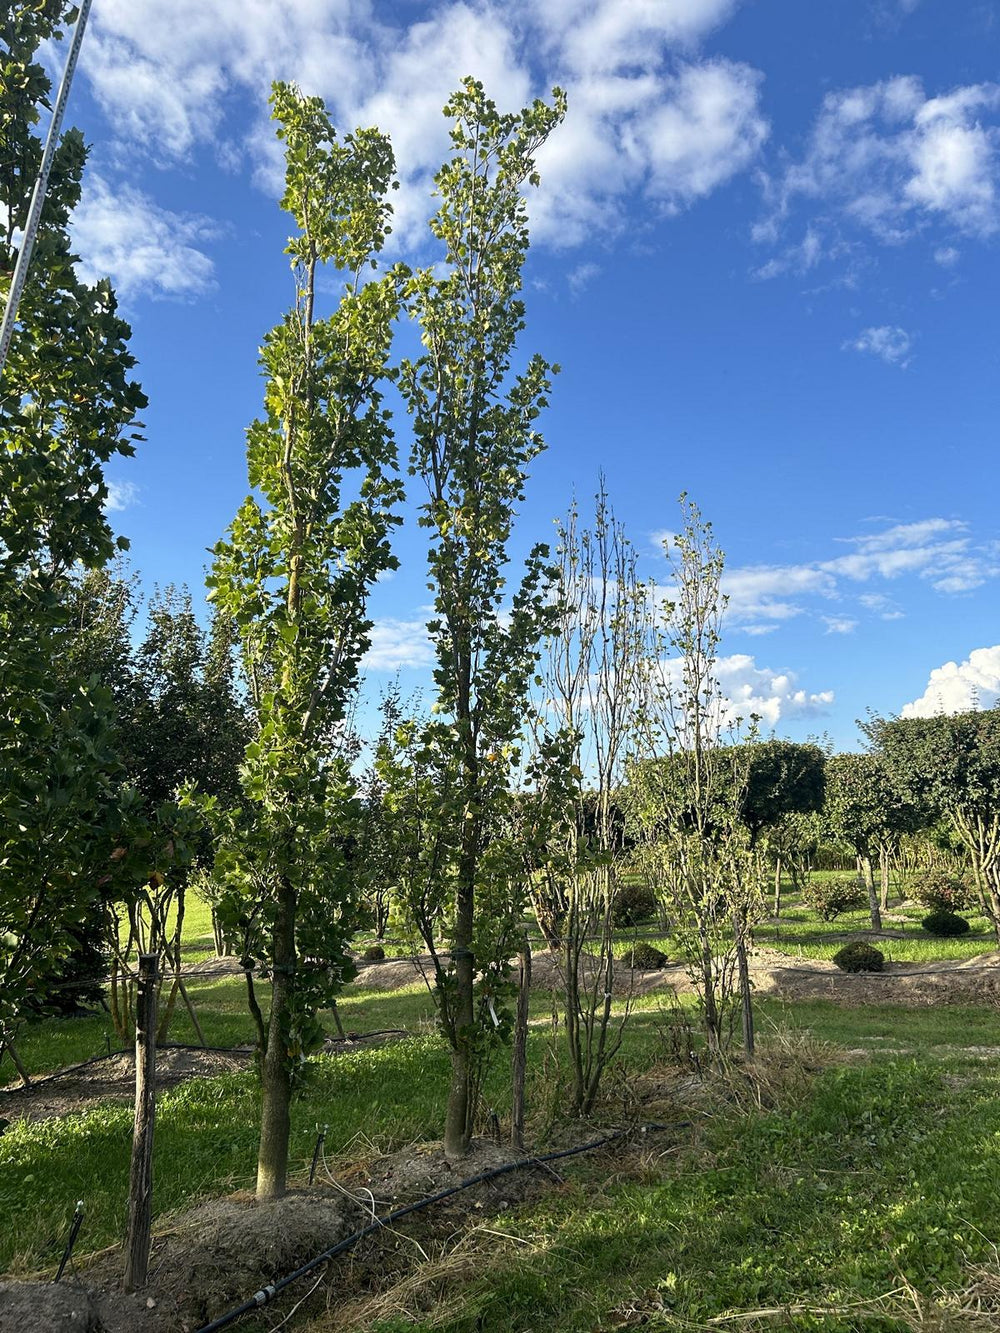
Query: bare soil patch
113	1079
946	981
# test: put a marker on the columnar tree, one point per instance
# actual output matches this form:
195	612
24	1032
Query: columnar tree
595	685
294	576
67	407
690	790
474	437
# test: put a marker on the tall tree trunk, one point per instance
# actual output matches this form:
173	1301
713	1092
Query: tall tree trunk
743	968
883	870
777	888
458	1119
276	1081
869	878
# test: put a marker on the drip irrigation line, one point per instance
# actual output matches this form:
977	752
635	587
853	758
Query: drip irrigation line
268	1293
60	1073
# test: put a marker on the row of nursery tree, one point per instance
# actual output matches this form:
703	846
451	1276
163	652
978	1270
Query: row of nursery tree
576	737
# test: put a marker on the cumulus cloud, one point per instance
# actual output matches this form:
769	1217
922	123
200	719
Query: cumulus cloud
145	249
889	160
889	342
957	687
747	689
648	115
397	644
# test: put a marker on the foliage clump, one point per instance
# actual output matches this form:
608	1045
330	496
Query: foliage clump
830	897
860	956
945	924
941	890
634	903
373	954
645	957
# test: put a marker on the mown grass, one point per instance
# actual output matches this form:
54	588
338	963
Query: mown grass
883	1172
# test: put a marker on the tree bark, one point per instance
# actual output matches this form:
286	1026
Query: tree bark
276	1081
140	1185
519	1059
869	878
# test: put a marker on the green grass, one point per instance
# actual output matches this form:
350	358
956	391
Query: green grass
206	1130
883	1170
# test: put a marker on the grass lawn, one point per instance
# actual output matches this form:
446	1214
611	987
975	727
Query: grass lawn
884	1174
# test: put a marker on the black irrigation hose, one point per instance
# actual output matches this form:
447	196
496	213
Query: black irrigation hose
60	1073
268	1293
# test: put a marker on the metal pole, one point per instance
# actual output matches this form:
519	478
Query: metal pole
41	185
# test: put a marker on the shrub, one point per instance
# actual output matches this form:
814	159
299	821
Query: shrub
944	924
941	891
859	956
373	954
830	897
644	957
634	903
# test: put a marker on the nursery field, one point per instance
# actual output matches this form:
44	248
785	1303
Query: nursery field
846	1180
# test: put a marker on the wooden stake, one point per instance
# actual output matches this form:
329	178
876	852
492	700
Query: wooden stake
140	1184
520	1046
9	1046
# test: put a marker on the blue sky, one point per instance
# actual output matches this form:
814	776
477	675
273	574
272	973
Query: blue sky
765	255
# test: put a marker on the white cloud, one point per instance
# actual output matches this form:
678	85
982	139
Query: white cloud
890	161
121	495
947	256
746	689
646	114
940	551
581	276
145	249
398	643
937	549
884	607
889	342
774	696
768	592
957	687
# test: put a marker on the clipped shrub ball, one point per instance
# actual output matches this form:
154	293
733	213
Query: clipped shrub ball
941	891
830	897
944	924
858	956
644	957
373	954
634	903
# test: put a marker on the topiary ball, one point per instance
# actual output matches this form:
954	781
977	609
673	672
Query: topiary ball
858	956
374	954
633	904
644	957
944	924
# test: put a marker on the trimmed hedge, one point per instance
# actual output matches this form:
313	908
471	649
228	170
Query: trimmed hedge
644	957
633	904
859	956
945	924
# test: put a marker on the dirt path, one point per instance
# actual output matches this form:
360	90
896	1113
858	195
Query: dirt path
943	982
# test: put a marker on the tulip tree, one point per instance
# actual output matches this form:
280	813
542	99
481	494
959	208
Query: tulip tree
67	407
474	428
294	575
